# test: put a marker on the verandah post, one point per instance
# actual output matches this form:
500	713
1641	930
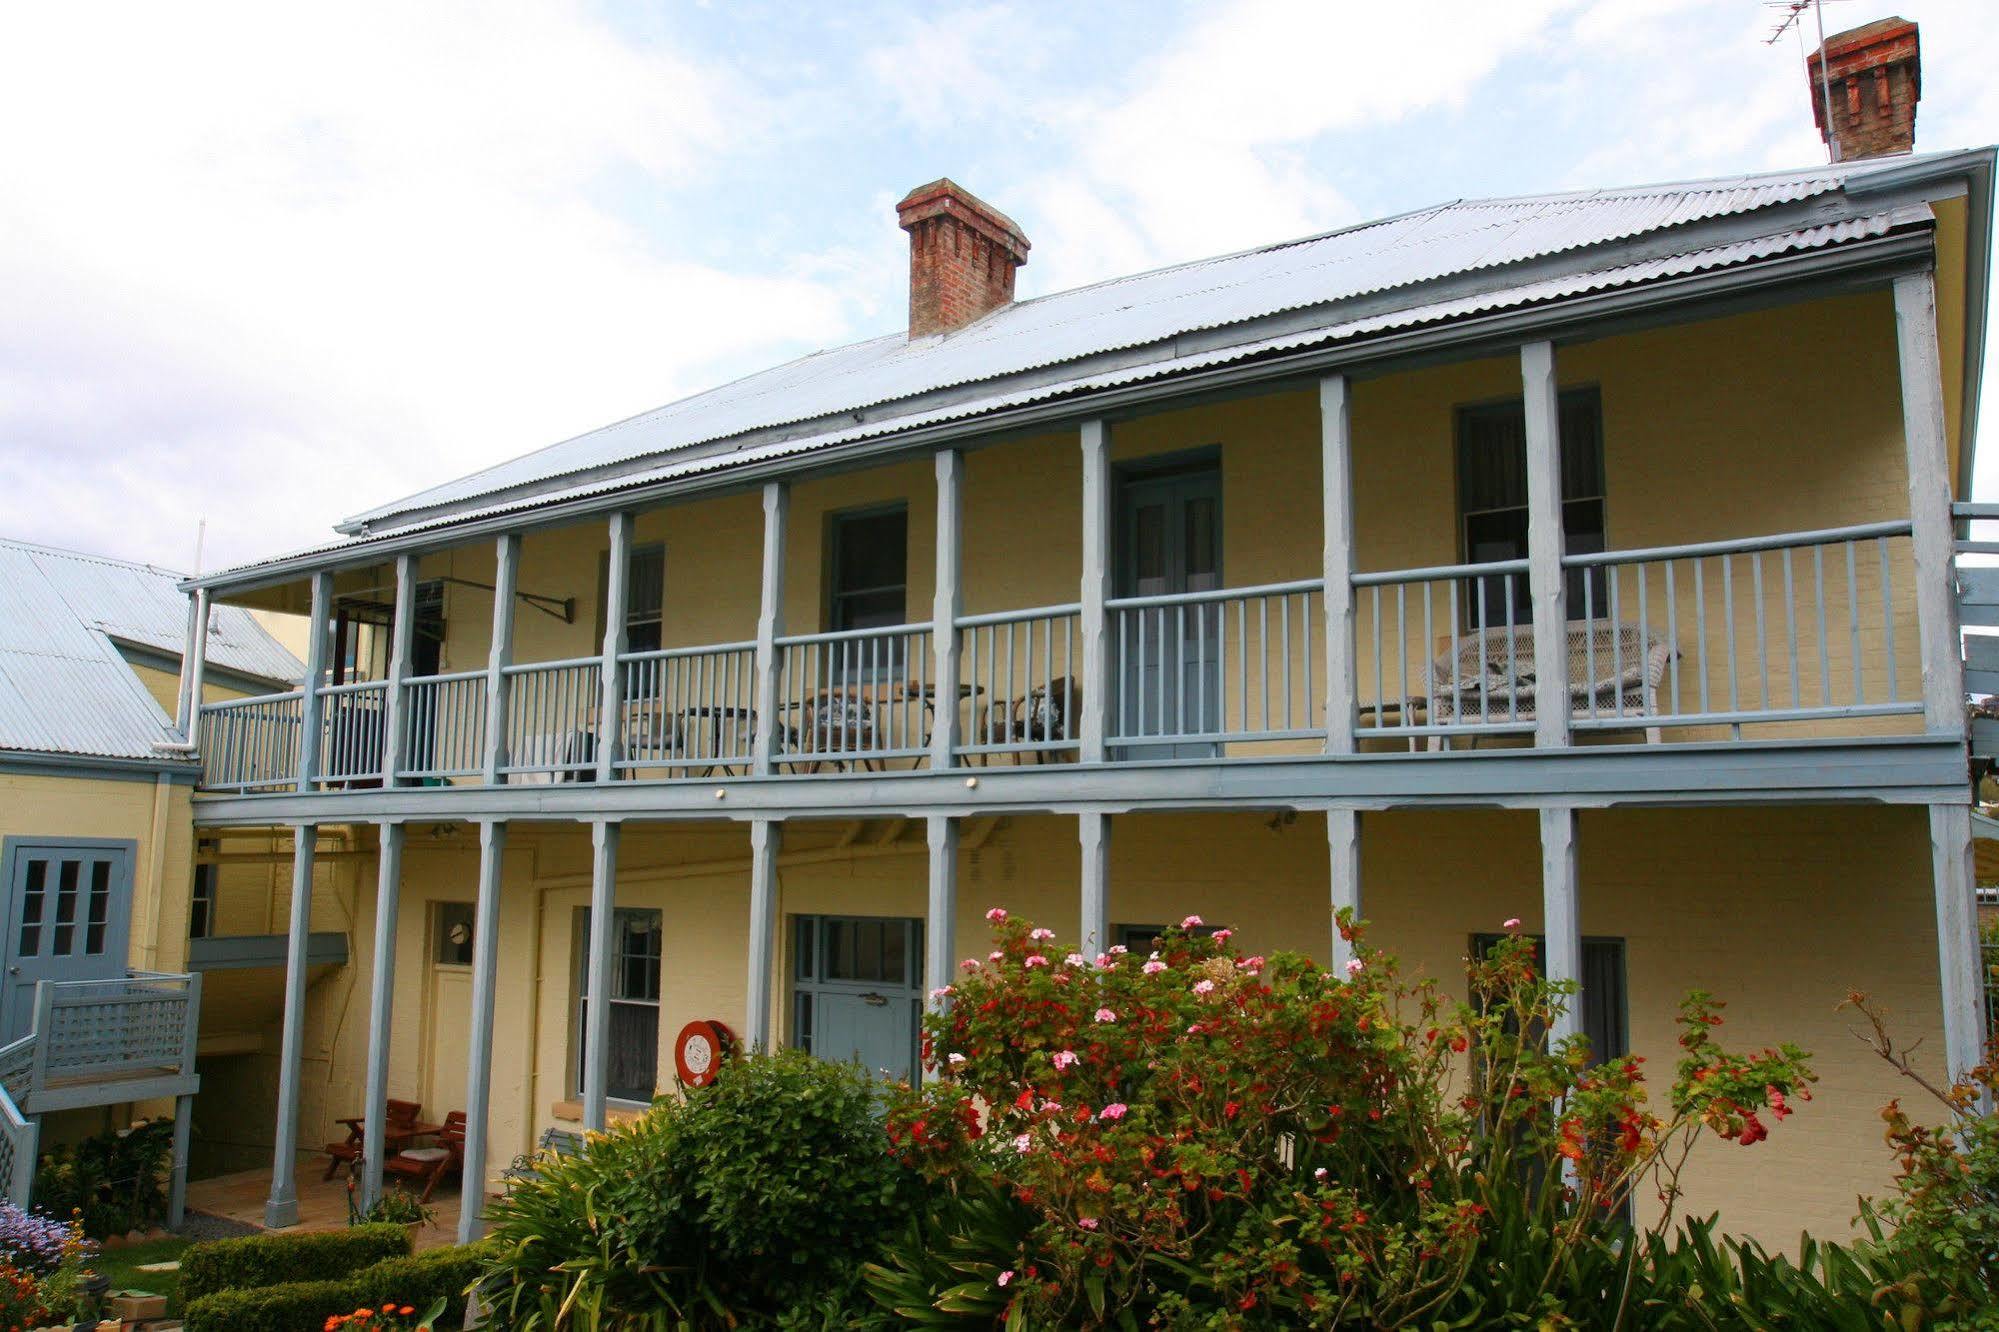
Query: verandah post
402	634
610	675
1336	478
506	570
770	625
941	914
1561	913
604	840
311	704
1343	848
1093	834
766	840
281	1208
479	1062
1546	580
944	613
381	1002
1093	622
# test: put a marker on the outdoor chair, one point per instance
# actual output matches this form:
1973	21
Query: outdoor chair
1047	712
398	1131
840	727
553	1142
1614	670
429	1165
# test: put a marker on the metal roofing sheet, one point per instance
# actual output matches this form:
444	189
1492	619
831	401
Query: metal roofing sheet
64	686
1149	308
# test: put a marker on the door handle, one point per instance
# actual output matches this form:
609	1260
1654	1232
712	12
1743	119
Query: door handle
13	971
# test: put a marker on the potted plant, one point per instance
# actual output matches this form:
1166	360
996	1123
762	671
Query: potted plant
395	1208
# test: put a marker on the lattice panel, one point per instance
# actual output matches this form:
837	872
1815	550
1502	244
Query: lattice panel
17	1063
92	1036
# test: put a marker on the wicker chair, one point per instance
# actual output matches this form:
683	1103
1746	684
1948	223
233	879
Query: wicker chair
1614	670
1048	712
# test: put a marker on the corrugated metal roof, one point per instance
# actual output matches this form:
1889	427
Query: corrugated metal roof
1148	310
64	686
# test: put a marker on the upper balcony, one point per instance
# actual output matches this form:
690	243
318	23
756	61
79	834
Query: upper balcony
1674	543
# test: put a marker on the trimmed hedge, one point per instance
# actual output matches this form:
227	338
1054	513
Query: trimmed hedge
268	1260
298	1305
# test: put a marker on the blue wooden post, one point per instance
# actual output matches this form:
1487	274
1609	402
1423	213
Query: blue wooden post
479	1067
941	917
944	611
597	976
281	1209
766	840
381	1003
310	706
1093	832
770	624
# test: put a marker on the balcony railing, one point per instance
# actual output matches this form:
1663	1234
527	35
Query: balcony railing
552	709
860	696
251	744
94	1042
350	730
444	733
1223	667
1020	674
1804	632
689	711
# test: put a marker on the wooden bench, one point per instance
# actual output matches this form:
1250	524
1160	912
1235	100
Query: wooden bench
556	1141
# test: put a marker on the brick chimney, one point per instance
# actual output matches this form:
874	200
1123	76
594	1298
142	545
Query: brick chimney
1877	79
962	253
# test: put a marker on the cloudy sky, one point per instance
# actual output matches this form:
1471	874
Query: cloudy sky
270	264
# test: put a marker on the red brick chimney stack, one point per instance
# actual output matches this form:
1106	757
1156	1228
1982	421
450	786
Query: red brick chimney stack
1877	79
962	254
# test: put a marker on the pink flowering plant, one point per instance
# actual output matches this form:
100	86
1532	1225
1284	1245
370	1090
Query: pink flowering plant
1188	1136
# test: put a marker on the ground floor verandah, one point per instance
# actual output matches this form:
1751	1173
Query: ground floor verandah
322	1203
1781	910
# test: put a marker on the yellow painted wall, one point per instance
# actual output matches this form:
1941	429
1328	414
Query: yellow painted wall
1779	911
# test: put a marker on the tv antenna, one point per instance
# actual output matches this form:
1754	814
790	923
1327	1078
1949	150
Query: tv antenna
1792	12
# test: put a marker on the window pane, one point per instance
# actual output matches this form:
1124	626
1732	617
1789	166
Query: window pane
634	1055
871	551
1203	551
62	941
895	953
1149	545
454	934
98	913
808	935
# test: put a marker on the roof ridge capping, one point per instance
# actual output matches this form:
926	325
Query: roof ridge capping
747	416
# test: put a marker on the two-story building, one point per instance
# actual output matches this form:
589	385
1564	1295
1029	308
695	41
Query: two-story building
1580	557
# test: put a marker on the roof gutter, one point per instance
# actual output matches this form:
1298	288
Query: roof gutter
1846	266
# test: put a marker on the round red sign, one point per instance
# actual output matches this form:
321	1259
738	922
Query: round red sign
699	1050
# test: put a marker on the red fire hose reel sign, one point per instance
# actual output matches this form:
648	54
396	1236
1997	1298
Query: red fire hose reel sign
699	1050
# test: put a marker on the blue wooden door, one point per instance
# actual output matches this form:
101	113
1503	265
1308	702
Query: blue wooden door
1170	678
858	991
69	917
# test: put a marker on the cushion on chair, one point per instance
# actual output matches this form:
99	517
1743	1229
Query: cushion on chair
427	1155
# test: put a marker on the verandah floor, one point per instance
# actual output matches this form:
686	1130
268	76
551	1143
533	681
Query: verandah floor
322	1203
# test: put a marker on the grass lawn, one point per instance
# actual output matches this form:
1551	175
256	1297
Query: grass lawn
121	1266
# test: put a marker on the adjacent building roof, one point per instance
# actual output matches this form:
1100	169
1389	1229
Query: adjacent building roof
1429	266
65	685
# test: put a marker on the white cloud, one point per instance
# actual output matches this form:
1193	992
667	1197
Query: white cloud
1210	149
334	255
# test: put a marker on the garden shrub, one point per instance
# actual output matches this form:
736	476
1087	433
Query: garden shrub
418	1281
755	1198
268	1260
117	1181
1201	1139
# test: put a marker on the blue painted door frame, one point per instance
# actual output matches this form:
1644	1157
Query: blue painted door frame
68	915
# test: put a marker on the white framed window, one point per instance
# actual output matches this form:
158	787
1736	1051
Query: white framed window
633	1052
